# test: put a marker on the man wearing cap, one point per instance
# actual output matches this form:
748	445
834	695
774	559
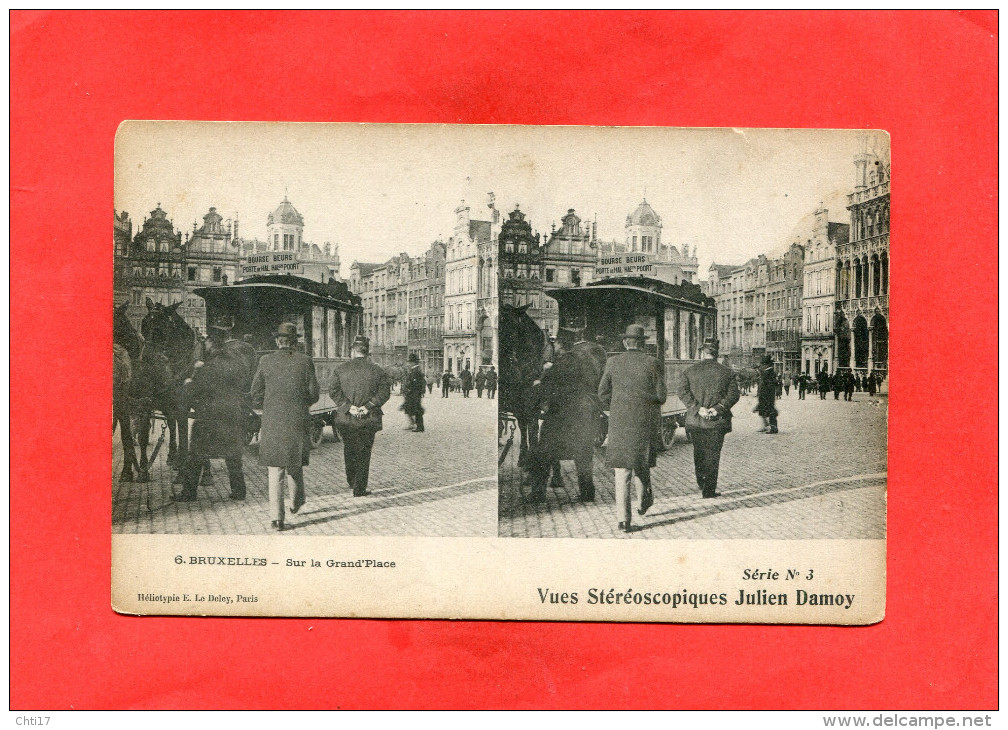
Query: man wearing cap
359	389
633	388
708	390
766	392
568	389
413	386
284	387
215	393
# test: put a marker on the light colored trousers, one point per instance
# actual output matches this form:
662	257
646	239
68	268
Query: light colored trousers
623	478
280	481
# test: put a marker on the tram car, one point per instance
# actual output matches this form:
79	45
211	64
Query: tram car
327	317
676	317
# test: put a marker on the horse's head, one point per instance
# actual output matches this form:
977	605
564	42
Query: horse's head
123	332
165	331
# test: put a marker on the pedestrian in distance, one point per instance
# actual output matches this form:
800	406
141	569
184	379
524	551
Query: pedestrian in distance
568	388
466	382
285	387
491	383
413	392
359	389
708	391
849	386
787	386
633	389
215	393
802	385
824	383
445	383
480	383
430	383
766	392
838	384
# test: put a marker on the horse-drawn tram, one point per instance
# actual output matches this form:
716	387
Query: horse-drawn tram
676	318
327	317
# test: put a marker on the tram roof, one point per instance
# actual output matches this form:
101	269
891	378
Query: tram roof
337	295
679	294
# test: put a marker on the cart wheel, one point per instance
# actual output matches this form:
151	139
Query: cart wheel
668	431
317	427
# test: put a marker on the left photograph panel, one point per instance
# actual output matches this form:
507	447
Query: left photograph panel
304	334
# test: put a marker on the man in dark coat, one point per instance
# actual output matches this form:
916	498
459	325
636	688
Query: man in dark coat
838	384
708	391
413	386
802	385
359	389
285	387
480	383
215	392
872	385
491	382
445	383
466	382
849	386
824	383
766	392
568	391
632	388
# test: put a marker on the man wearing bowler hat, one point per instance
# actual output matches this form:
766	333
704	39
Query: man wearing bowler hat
632	388
359	389
708	390
284	387
413	386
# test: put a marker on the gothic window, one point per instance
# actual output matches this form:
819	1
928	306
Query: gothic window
575	277
523	247
218	272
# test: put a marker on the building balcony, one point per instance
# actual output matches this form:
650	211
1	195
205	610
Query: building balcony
869	193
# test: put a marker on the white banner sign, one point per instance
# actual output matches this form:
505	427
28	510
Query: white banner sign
271	262
624	264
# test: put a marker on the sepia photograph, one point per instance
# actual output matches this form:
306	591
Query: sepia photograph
305	333
694	337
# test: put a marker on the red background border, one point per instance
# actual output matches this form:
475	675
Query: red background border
929	78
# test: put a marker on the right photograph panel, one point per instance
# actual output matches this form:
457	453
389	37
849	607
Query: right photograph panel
693	335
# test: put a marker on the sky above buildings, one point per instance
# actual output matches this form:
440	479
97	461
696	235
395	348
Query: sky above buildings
378	190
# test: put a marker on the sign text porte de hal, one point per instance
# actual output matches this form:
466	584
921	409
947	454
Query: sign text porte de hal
271	262
625	264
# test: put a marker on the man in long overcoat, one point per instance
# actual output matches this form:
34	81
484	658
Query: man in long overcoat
491	383
445	383
285	387
480	382
466	382
708	391
568	390
215	392
413	386
359	389
633	388
766	392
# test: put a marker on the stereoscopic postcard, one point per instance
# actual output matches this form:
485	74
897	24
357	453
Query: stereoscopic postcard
500	372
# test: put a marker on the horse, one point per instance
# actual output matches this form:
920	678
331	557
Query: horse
126	348
524	349
169	354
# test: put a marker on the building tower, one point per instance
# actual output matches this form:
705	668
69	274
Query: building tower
284	227
643	230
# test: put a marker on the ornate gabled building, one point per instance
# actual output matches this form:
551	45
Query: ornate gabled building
122	236
643	234
470	299
425	308
284	232
152	267
211	260
862	271
522	266
569	258
819	293
784	311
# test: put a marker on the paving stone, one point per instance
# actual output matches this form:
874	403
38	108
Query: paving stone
821	477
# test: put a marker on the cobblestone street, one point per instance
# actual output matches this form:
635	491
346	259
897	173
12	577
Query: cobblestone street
437	483
822	476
